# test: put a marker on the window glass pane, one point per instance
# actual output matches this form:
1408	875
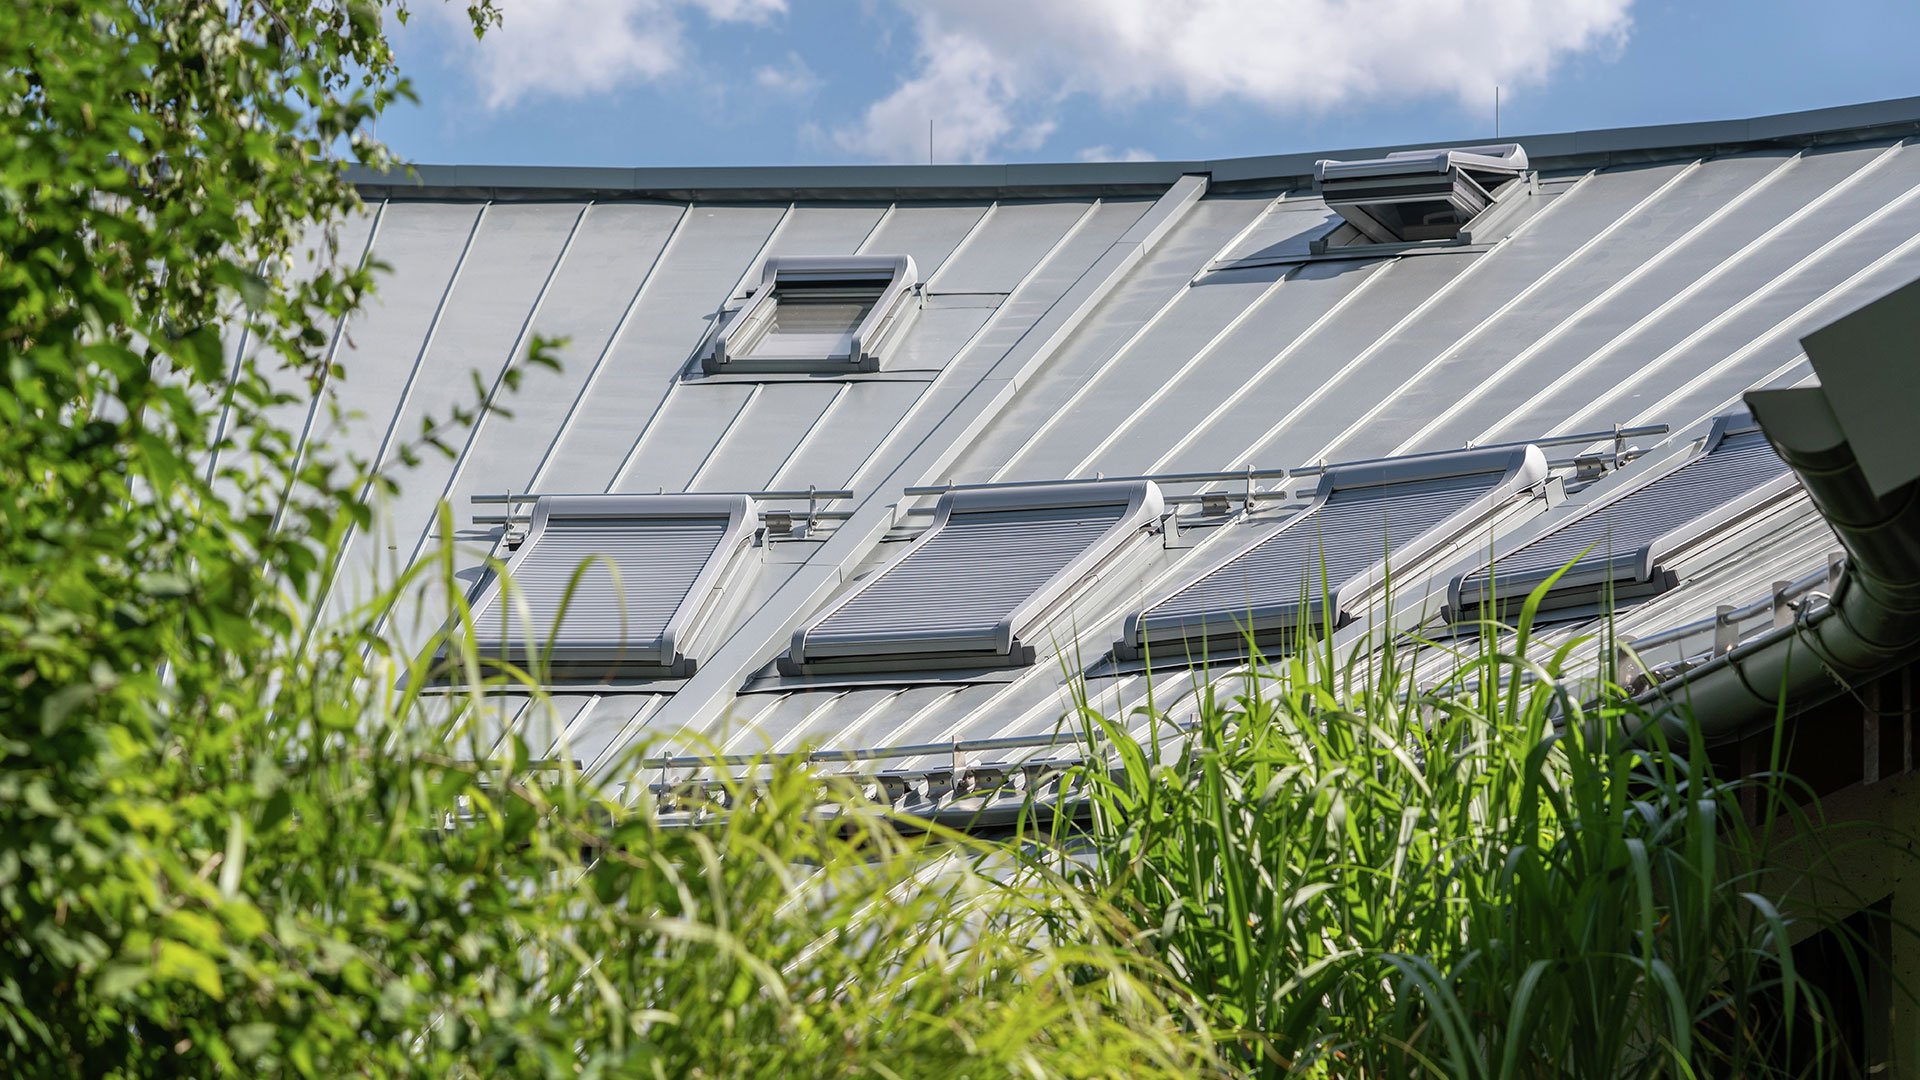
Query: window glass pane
816	320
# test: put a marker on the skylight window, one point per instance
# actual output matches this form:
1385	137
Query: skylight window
1629	545
638	577
1277	588
1416	196
819	315
973	589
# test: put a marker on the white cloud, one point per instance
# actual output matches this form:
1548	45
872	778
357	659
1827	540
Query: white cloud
992	73
1108	153
958	107
572	48
792	79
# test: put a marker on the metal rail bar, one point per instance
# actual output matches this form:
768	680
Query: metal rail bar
824	495
1618	434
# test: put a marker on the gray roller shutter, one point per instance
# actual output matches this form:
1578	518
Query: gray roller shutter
1361	520
647	567
990	566
1621	548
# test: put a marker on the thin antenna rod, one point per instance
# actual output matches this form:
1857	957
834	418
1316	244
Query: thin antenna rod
929	140
1496	111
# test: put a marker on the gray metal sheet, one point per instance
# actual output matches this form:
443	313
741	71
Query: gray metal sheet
610	260
677	441
1474	316
714	247
423	244
968	577
511	258
1738	465
1006	244
1161	277
1242	431
1286	229
603	735
1694	298
1161	435
848	434
1604	211
926	231
764	436
824	229
1726	327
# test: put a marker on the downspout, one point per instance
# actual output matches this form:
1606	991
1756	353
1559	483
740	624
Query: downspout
1871	624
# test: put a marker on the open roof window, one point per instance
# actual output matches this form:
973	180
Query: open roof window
1361	518
638	577
970	591
819	314
1418	196
1626	545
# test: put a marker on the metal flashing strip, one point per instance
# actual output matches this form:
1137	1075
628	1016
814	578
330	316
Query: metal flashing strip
814	314
965	593
637	576
1626	545
1573	149
1363	518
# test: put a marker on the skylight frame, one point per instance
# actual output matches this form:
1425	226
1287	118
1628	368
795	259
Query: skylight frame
737	346
671	654
1480	183
1518	471
1638	573
1002	645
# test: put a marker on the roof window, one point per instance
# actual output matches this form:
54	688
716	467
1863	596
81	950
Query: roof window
1626	546
638	576
1418	196
1277	588
819	314
971	590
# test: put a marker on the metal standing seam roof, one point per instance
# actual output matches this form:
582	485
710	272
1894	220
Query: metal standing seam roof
1079	321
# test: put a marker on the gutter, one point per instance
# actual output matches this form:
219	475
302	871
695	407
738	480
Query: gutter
1870	626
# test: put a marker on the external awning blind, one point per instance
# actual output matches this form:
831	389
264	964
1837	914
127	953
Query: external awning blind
1623	547
1361	520
990	567
646	565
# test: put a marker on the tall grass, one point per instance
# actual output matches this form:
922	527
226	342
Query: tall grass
1333	871
1491	878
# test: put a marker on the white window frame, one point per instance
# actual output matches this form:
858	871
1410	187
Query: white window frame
735	346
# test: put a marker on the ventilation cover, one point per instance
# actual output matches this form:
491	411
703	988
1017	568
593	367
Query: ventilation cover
1419	195
815	314
1625	546
672	554
989	571
1361	519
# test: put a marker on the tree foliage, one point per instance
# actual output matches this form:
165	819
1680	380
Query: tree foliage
228	844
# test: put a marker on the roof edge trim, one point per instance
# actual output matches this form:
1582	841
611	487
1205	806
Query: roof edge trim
1575	149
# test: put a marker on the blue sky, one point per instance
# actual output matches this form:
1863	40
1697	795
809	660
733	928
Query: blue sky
724	82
